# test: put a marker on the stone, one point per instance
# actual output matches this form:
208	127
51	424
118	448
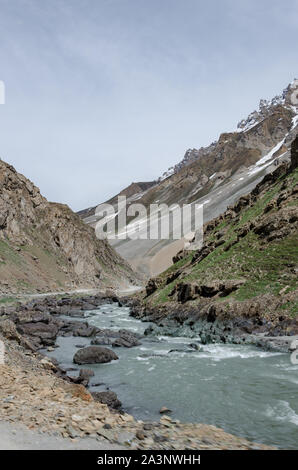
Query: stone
73	433
47	363
107	426
126	340
121	338
159	438
164	409
108	398
8	330
140	435
85	332
147	426
294	155
47	333
77	418
151	287
83	377
86	373
94	355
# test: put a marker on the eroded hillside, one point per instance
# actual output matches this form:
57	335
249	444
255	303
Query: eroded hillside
247	267
45	246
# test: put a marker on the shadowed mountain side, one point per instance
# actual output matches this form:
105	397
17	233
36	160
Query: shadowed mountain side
45	246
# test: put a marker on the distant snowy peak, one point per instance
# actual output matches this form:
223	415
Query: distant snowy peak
287	99
190	156
170	171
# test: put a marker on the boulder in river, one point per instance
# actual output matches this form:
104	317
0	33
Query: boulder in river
122	338
126	340
85	331
94	355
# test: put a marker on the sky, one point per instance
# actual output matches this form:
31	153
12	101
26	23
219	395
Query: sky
102	93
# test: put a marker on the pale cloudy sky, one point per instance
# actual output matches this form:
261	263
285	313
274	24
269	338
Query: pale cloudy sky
100	93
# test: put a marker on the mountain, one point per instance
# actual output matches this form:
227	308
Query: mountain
217	175
245	275
44	246
132	192
267	109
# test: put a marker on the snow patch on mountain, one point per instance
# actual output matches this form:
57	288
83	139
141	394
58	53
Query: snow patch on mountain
266	108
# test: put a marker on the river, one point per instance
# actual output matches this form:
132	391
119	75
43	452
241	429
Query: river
242	389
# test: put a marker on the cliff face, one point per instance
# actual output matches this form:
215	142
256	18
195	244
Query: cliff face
45	246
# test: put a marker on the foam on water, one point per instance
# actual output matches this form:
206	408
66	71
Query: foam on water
218	352
179	339
282	411
293	380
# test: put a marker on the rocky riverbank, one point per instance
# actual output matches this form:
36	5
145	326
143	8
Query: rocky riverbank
37	324
218	323
34	391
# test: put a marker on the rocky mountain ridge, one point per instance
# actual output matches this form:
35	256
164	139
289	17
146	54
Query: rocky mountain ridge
266	109
45	246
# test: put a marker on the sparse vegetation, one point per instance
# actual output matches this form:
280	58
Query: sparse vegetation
267	268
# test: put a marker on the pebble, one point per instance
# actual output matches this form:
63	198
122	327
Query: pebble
140	435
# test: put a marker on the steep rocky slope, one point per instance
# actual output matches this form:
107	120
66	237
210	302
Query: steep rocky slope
217	175
45	246
245	275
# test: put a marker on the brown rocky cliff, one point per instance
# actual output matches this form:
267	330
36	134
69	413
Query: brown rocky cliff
46	246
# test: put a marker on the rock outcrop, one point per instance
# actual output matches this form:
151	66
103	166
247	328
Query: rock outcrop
107	398
45	246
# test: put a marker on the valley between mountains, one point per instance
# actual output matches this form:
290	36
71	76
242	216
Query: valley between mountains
90	328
